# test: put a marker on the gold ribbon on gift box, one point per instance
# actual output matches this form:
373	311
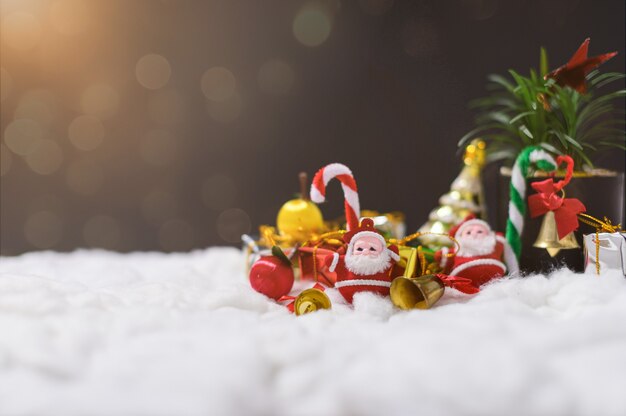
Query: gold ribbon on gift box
405	251
601	227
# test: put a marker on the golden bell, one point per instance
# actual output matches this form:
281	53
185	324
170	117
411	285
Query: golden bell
417	292
311	300
548	237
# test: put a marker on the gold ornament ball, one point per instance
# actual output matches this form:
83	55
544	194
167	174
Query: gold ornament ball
299	219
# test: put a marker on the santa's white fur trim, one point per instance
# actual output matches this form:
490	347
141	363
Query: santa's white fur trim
472	247
478	262
474	221
510	259
393	255
333	265
362	265
362	282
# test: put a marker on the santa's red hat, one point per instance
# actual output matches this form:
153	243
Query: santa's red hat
366	228
468	221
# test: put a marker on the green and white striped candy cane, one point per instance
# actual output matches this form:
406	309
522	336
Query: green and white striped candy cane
532	156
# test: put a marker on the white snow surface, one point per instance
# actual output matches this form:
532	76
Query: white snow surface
101	333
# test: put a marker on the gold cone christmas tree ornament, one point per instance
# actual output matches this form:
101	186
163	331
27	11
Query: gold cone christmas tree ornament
466	197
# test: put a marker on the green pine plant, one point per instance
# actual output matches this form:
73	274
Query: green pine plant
534	110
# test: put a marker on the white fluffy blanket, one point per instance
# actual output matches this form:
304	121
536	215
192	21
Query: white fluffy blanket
98	333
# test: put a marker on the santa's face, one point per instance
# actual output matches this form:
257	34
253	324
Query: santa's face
367	256
476	240
367	246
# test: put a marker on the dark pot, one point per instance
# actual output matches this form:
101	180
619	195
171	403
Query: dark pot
603	195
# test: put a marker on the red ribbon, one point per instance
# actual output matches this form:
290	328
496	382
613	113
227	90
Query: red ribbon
547	199
462	284
292	305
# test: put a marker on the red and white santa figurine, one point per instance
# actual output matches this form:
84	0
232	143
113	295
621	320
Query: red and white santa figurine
367	265
483	254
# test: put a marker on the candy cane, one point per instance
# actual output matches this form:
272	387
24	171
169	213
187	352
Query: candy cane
517	191
348	184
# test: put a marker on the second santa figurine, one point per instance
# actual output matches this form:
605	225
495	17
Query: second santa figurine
367	265
483	255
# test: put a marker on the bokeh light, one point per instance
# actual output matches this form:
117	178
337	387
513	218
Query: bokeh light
86	132
276	77
218	84
102	231
153	71
43	229
84	177
219	192
312	25
21	31
158	147
176	235
46	158
375	7
6	83
232	223
159	206
5	160
22	136
71	17
100	100
166	107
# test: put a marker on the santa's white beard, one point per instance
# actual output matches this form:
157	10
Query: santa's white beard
471	247
367	266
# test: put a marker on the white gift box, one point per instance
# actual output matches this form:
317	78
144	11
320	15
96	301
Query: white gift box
612	252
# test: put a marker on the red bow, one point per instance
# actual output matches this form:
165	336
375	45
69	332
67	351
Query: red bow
462	284
547	199
292	305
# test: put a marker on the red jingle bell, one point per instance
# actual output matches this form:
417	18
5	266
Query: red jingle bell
271	276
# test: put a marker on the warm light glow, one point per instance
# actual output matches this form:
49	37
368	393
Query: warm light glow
100	100
312	25
86	132
232	223
158	147
22	136
153	71
71	17
21	31
219	192
102	231
43	229
46	158
84	177
6	83
38	105
218	84
276	77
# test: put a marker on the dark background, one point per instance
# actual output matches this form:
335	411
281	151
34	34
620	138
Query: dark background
131	159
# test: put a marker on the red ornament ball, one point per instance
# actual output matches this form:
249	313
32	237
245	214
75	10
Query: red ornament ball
271	276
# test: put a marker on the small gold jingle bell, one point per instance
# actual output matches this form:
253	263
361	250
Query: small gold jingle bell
311	300
548	237
416	292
